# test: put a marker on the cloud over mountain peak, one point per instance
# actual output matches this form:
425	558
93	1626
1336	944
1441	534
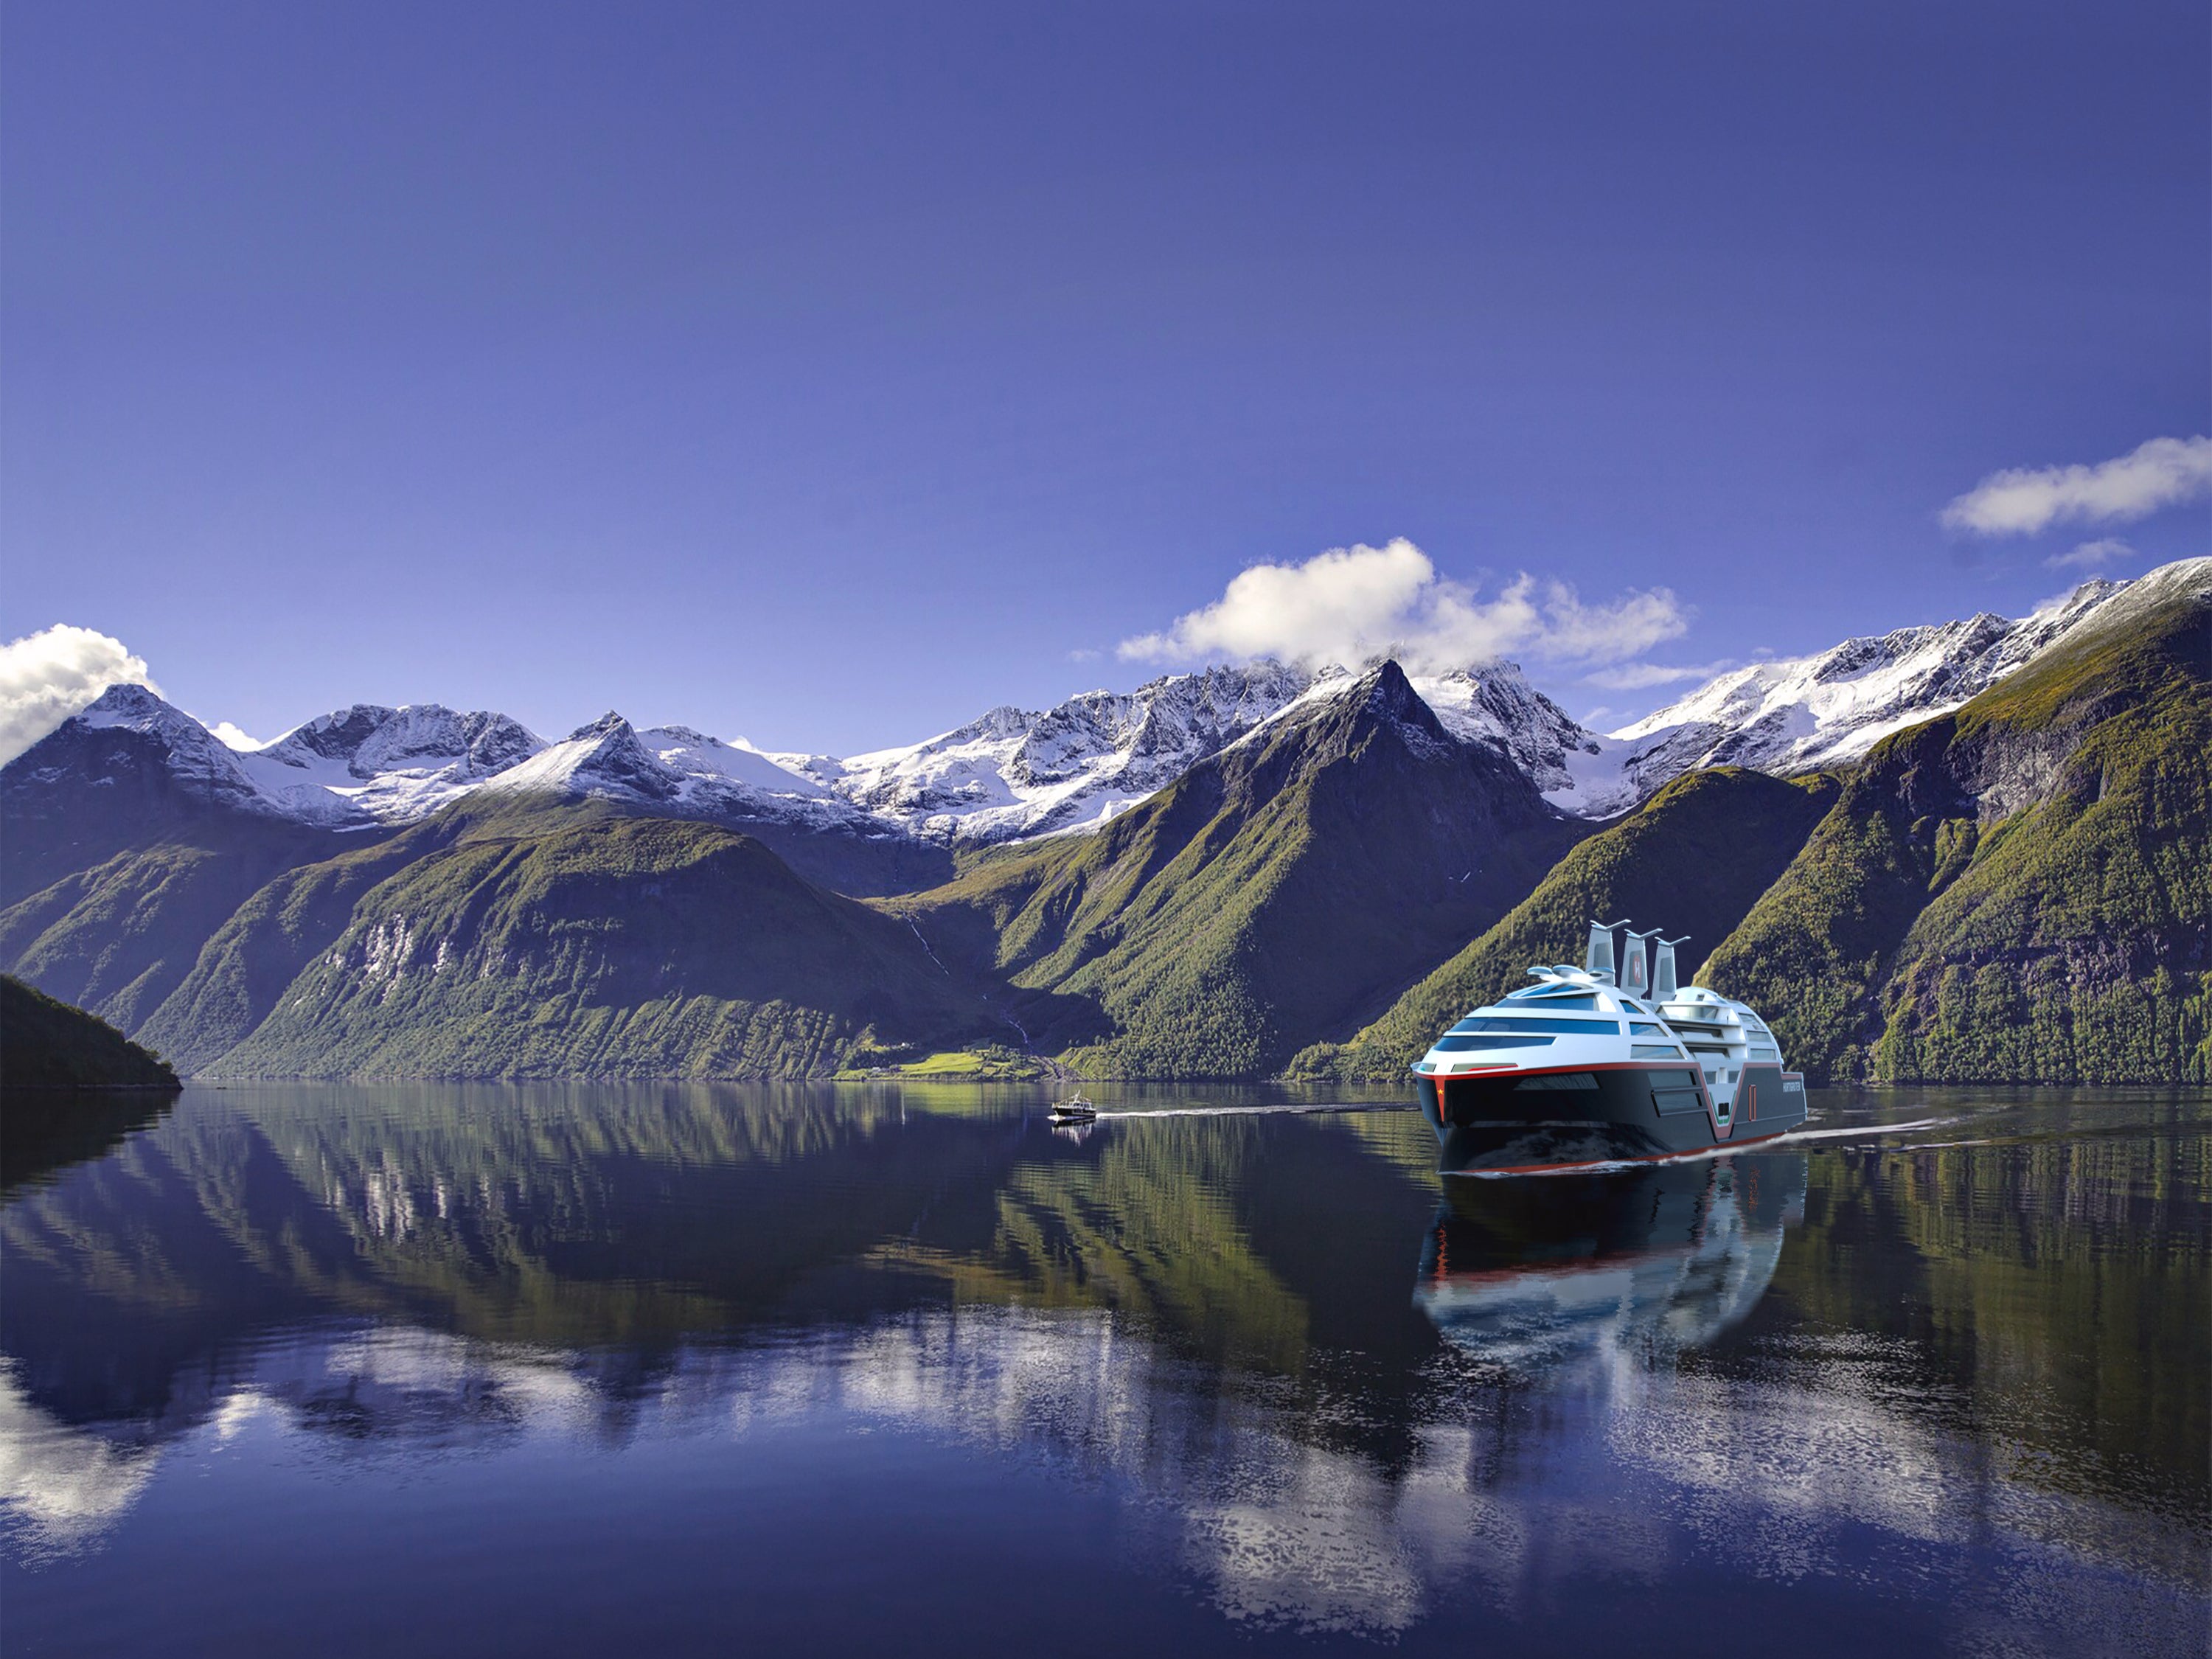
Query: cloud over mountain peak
1351	604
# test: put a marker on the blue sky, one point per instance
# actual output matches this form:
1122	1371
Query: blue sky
827	373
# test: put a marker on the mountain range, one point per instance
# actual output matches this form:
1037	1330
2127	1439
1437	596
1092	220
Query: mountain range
1247	871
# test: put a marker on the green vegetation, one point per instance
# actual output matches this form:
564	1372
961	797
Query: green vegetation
575	942
46	1043
1694	859
119	937
2035	1277
1287	887
985	1062
2021	891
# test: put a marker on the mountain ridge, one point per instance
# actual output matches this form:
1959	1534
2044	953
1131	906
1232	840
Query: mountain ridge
1299	897
1014	775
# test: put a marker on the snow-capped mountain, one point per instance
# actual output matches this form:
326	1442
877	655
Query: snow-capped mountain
675	766
191	755
1795	713
1016	772
370	764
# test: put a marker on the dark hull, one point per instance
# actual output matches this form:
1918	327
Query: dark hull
1503	1122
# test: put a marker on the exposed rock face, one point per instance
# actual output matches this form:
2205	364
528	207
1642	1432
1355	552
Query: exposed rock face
371	739
1802	712
1015	773
129	729
371	764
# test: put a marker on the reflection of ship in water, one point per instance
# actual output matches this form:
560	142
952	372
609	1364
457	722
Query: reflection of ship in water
1542	1274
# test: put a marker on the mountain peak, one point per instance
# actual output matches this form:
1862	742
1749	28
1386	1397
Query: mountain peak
159	735
1795	714
125	700
608	724
1385	692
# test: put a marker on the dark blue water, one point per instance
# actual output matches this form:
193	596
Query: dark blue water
589	1370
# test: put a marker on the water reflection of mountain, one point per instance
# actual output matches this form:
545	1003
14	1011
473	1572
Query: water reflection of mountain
627	1224
1212	1311
1600	1269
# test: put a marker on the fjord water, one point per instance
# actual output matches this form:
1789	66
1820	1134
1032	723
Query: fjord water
568	1369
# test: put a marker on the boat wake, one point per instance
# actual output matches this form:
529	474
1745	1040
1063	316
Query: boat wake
1299	1108
1767	1144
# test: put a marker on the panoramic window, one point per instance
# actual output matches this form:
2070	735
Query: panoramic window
1517	1023
1558	998
1452	1045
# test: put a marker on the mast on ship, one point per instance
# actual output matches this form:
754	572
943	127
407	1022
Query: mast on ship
1663	985
1635	979
1598	959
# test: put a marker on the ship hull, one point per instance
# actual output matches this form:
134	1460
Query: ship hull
1570	1117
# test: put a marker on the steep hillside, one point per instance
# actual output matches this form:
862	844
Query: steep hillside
127	839
1693	859
553	939
48	1044
2020	890
1285	887
268	941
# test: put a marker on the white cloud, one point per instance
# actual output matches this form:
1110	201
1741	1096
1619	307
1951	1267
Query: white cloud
1640	675
231	738
1351	603
2090	555
47	676
2163	473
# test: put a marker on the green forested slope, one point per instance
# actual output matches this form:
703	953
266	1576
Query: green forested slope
268	941
2016	891
575	941
120	937
2021	889
1286	888
1693	859
46	1043
114	873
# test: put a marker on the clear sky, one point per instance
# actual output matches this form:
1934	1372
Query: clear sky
828	373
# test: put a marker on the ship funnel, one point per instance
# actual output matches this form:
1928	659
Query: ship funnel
1599	959
1663	971
1634	978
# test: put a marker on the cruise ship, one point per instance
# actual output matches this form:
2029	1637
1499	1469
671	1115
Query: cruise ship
1586	1066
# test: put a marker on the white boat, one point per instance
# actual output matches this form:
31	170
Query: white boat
1586	1067
1075	1110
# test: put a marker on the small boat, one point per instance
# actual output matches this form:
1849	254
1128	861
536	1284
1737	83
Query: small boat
1584	1068
1075	1110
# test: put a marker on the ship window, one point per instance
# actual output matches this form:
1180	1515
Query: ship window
1654	1051
1676	1092
1454	1045
1522	1022
1638	1028
1569	1080
1563	999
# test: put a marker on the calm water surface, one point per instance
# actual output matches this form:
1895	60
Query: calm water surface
593	1370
